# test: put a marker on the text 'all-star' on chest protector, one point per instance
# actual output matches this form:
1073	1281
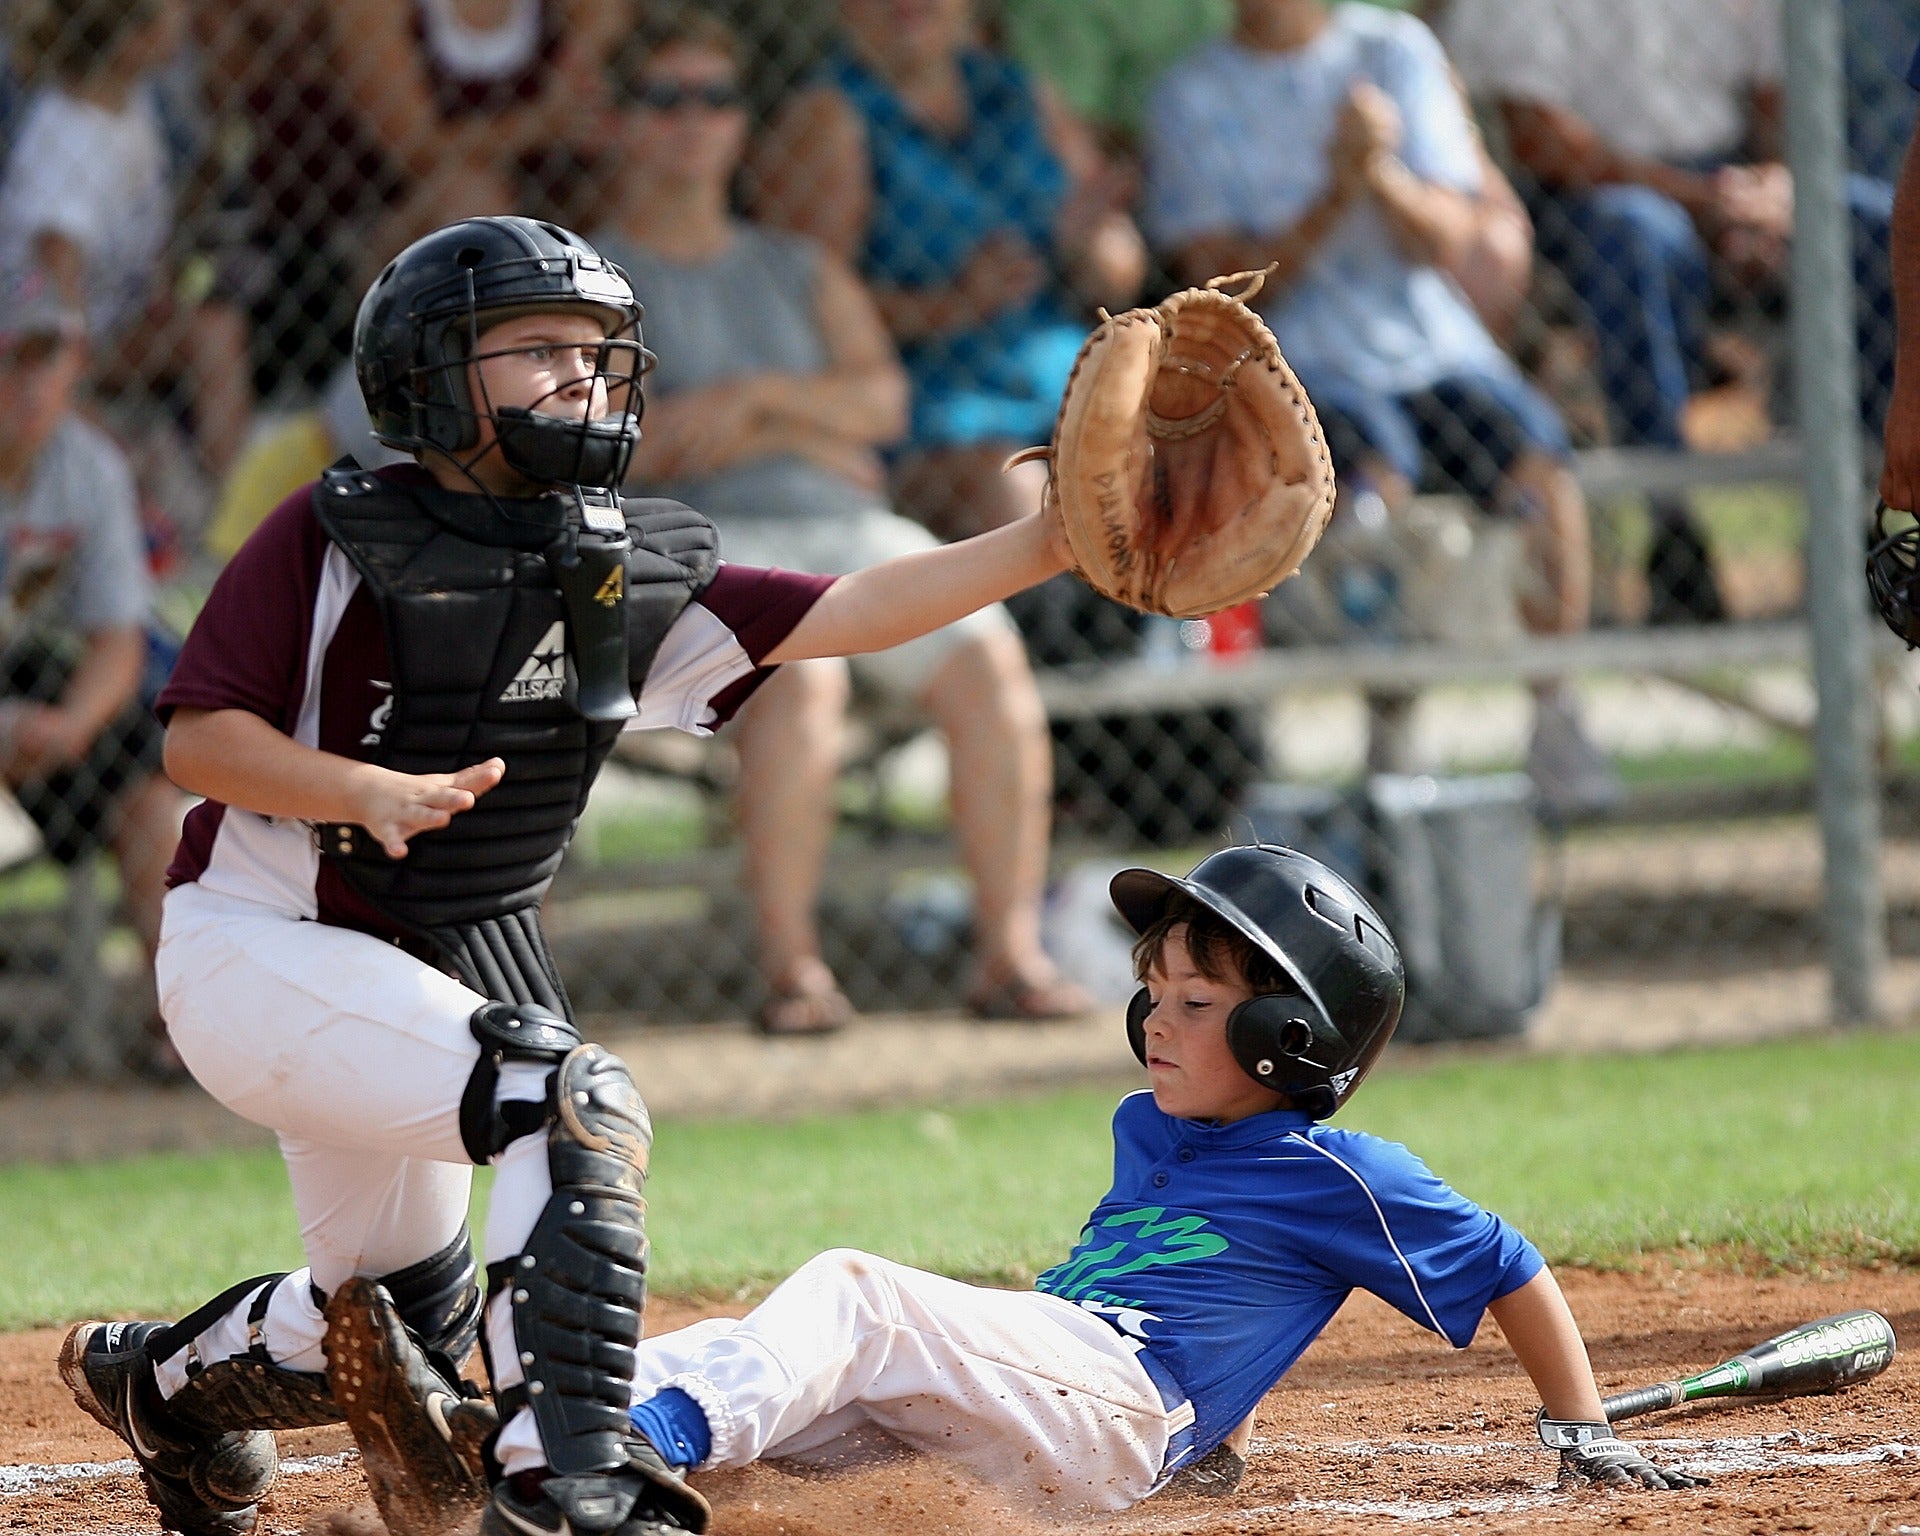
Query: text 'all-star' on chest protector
523	638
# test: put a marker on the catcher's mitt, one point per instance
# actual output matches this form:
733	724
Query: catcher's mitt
1187	463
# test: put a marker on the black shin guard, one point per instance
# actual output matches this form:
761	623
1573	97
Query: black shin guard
439	1300
576	1290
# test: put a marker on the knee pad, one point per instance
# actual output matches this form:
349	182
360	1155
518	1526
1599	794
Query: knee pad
439	1301
577	1288
509	1032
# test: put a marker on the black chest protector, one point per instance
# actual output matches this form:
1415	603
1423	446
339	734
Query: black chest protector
523	640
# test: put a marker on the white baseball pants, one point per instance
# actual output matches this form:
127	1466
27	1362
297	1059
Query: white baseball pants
356	1054
1034	1395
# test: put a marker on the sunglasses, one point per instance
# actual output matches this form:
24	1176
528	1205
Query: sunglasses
672	95
30	352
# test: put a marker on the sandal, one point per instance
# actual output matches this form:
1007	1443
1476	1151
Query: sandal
1018	1000
794	1012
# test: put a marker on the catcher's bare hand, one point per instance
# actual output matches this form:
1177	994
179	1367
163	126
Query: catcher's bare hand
397	806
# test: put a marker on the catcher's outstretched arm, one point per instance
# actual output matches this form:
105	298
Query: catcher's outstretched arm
912	595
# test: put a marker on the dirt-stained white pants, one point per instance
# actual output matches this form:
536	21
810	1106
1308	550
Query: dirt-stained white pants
1034	1395
356	1054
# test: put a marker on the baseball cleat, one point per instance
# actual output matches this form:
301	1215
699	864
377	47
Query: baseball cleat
644	1498
204	1482
418	1443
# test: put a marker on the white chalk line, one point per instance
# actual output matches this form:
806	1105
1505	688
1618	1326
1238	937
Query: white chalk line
17	1482
1737	1453
1740	1453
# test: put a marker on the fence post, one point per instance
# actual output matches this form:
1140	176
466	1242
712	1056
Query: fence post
1827	389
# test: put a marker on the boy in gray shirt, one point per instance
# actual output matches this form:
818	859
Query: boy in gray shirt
79	747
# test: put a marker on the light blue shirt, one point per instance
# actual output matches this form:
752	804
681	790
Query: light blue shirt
1237	140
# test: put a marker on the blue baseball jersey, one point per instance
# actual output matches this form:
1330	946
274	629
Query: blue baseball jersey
1225	1249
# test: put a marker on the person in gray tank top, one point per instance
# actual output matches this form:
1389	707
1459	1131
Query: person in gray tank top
776	389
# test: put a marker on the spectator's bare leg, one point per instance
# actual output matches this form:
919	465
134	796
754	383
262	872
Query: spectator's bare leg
958	492
984	700
789	744
1370	499
1573	776
1559	548
143	845
214	347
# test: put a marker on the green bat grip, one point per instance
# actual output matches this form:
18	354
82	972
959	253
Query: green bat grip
1721	1381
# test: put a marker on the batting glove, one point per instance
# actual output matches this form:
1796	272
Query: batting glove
1591	1453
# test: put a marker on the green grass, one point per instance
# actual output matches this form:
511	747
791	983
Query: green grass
1801	1154
1783	757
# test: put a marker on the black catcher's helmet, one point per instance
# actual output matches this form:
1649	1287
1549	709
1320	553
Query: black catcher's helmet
419	326
1316	1041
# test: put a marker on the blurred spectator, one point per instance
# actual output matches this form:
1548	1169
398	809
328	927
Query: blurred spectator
86	198
987	221
1653	130
308	175
1334	144
1880	104
292	454
1900	474
11	94
1880	119
470	99
776	386
1104	55
79	746
982	213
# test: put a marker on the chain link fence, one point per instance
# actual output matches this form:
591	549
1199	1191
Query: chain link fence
1544	686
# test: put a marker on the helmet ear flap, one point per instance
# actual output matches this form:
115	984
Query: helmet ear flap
1266	1034
1138	1007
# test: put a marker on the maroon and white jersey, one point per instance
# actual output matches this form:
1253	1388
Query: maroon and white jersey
288	634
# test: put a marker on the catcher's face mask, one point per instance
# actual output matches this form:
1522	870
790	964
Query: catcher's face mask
557	396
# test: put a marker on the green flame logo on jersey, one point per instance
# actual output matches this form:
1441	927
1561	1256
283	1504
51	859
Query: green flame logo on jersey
1107	1251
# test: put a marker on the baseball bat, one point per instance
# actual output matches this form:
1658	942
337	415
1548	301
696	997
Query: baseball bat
1820	1356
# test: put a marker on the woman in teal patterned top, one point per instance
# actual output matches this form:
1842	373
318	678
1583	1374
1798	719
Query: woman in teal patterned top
981	212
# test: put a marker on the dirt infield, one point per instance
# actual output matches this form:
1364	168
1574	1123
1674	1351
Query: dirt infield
1379	1427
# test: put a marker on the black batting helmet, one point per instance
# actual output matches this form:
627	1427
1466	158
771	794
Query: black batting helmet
1318	1039
419	326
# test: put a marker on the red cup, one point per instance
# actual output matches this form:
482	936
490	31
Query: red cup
1234	631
